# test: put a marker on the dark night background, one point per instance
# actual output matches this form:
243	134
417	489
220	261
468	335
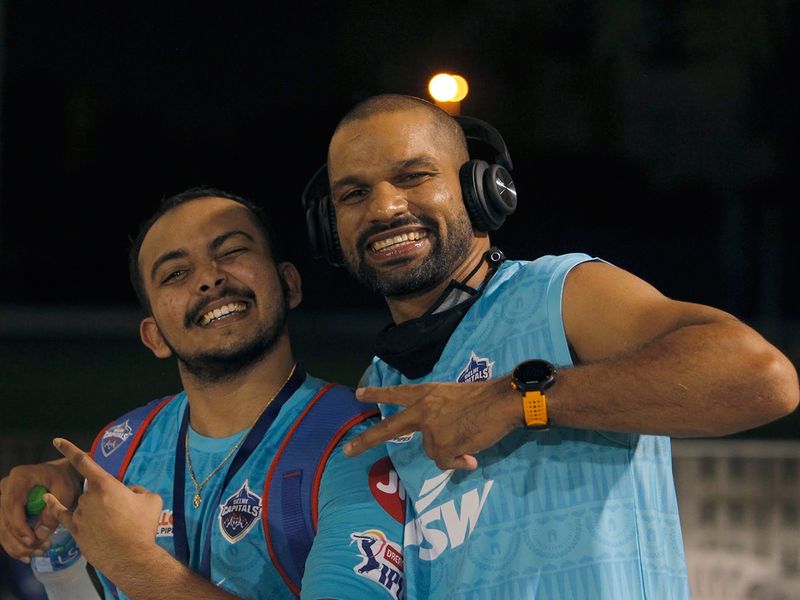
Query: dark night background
660	136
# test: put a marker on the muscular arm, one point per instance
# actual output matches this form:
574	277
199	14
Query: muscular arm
654	365
646	364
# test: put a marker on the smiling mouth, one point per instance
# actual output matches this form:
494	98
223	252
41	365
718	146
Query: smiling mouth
217	314
412	236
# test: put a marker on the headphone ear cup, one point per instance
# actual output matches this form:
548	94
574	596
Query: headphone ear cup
489	194
323	238
500	195
471	175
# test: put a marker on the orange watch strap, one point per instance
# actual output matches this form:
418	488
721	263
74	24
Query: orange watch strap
534	405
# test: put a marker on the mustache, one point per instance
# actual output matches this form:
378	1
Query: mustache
194	314
404	221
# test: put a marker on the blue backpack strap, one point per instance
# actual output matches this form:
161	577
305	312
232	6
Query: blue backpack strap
291	489
113	448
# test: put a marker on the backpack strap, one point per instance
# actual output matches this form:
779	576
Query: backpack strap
291	489
114	446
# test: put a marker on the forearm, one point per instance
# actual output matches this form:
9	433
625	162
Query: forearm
157	575
703	380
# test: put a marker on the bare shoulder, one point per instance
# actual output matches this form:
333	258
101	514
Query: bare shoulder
608	310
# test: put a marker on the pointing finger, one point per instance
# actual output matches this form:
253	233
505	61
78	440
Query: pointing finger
387	429
82	462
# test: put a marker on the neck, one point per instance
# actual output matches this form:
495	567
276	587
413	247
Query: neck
404	308
221	409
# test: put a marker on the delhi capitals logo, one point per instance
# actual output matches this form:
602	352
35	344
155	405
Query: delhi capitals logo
477	369
239	513
114	437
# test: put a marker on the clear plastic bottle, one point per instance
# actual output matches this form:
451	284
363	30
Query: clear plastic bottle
62	570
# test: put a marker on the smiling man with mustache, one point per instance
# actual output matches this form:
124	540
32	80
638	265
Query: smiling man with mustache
528	404
196	521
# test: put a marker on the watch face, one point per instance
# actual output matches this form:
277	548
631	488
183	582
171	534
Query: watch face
534	373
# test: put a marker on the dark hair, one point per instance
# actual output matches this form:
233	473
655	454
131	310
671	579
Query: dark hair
167	204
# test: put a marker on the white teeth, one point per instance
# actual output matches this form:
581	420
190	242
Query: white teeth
398	239
217	313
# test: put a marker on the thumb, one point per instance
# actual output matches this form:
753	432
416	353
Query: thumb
58	510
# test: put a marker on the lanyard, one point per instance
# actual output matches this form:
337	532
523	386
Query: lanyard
251	442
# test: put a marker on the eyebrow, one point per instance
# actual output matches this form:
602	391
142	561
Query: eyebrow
182	252
401	165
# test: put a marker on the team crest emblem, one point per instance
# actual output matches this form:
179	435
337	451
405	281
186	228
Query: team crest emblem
239	513
477	369
114	437
381	561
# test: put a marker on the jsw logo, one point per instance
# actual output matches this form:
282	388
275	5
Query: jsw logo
447	524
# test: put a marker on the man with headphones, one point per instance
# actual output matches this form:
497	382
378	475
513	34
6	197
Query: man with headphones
528	404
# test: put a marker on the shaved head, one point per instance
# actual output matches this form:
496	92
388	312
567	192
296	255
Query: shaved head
444	127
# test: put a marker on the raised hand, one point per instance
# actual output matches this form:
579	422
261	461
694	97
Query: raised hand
111	521
456	420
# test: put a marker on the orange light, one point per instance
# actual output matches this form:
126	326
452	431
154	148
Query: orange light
461	88
443	87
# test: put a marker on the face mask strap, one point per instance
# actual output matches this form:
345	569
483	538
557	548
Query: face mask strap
414	346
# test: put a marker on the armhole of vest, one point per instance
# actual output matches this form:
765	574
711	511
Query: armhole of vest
320	470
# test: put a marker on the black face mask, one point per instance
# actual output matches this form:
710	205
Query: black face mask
414	346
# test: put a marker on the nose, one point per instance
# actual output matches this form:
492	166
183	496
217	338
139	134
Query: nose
210	278
386	202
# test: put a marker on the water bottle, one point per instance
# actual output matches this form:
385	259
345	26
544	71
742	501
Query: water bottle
62	569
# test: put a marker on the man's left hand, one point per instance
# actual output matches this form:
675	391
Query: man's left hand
456	420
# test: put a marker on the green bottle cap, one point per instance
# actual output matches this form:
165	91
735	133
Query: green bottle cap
35	503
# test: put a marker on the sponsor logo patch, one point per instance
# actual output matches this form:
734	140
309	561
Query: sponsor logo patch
164	527
239	513
447	524
381	561
477	369
387	489
114	437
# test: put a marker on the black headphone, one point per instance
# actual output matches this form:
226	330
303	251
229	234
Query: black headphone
487	188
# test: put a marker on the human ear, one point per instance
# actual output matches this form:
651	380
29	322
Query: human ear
151	337
292	283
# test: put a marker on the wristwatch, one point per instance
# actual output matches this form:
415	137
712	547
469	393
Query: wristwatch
532	378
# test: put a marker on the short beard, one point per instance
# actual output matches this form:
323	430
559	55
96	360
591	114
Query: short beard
439	265
225	365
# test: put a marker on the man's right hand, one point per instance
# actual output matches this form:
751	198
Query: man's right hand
18	539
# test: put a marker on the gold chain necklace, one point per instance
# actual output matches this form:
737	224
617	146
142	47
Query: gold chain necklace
199	486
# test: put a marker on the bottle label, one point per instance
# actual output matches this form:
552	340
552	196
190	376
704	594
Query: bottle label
62	554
